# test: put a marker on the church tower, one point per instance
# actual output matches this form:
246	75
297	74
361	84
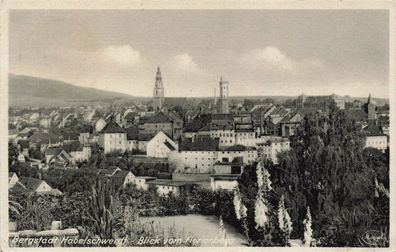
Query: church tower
158	93
371	109
223	101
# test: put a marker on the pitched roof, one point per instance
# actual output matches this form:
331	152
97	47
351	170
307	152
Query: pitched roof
145	177
231	177
121	173
289	117
146	136
109	171
170	146
160	117
112	127
373	129
73	146
10	175
169	182
222	117
19	187
200	143
198	122
221	126
31	183
53	151
23	143
119	177
69	136
130	116
39	137
132	133
205	128
238	148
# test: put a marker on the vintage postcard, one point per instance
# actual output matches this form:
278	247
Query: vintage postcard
197	124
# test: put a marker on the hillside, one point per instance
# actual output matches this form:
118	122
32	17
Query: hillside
34	91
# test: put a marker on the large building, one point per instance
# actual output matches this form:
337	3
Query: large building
202	153
158	93
223	101
113	138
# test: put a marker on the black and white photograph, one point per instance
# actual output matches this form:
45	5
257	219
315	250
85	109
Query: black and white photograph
198	127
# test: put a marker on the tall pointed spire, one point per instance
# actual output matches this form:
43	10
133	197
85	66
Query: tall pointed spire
369	99
158	75
158	92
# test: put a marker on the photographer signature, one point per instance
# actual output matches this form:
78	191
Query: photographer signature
374	238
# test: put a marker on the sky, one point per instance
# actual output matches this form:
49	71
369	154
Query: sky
260	52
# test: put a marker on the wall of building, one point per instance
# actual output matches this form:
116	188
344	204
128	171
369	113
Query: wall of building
44	187
130	178
140	183
223	184
156	146
190	176
114	141
245	138
204	161
270	151
227	137
83	155
166	189
377	142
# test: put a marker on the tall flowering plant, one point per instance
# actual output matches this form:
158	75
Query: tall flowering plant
307	229
241	212
261	206
284	220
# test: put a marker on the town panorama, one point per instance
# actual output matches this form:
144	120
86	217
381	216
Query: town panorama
198	129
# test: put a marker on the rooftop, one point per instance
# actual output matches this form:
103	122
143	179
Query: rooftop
132	133
112	127
160	117
169	182
170	146
198	123
31	183
200	143
230	177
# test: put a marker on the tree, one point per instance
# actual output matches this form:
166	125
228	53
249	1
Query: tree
329	171
24	169
12	153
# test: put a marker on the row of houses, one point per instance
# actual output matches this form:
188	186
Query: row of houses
163	187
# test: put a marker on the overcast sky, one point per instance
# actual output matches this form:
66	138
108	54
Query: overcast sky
260	52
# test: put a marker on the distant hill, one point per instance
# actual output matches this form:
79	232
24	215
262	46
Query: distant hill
34	91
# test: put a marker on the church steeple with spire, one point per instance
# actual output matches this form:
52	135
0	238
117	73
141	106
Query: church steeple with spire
158	92
371	109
